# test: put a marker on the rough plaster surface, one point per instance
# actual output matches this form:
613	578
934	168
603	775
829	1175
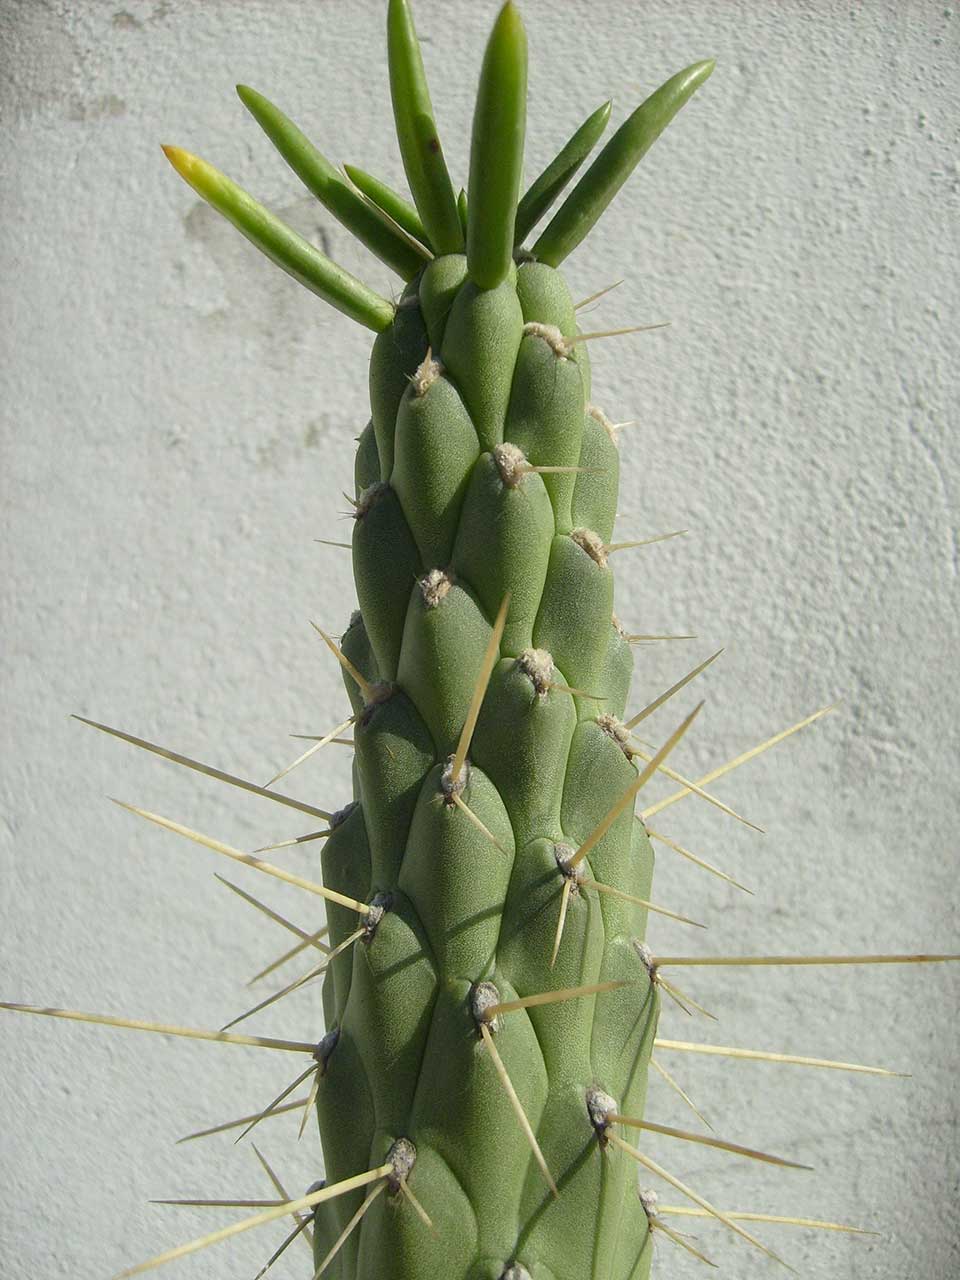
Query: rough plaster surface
178	424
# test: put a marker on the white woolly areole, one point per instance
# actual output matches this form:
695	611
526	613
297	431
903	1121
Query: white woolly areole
649	1199
614	729
355	619
597	414
515	1271
434	586
447	784
592	544
511	463
537	665
402	1156
426	375
550	334
600	1107
376	910
483	997
563	853
373	493
646	956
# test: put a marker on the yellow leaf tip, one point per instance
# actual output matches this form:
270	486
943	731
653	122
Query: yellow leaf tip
181	160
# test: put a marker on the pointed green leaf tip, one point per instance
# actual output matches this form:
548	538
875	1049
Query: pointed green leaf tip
417	135
320	177
282	244
496	151
587	201
558	173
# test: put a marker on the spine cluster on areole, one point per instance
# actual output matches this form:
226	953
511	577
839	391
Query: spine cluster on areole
491	1003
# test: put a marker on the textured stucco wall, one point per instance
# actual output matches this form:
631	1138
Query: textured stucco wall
178	423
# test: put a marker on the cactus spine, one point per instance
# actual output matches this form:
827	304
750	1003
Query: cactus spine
490	1002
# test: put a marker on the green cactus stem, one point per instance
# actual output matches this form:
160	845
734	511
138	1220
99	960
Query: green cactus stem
491	1004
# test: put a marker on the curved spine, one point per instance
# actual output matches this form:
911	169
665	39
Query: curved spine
496	151
417	135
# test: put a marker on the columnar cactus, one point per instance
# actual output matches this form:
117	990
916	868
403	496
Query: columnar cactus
490	1002
486	491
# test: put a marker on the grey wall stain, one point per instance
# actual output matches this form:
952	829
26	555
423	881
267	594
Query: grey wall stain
320	429
106	106
124	20
200	222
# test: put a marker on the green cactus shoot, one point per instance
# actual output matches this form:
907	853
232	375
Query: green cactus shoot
491	1005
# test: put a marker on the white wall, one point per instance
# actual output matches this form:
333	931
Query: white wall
178	421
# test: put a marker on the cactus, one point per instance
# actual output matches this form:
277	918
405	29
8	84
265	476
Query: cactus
491	1005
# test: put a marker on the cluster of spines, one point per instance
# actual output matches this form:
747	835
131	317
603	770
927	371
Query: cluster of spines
436	707
485	1009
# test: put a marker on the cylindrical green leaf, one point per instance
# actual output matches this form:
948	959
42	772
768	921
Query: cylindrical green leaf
393	205
496	151
417	133
618	159
558	173
282	244
320	177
